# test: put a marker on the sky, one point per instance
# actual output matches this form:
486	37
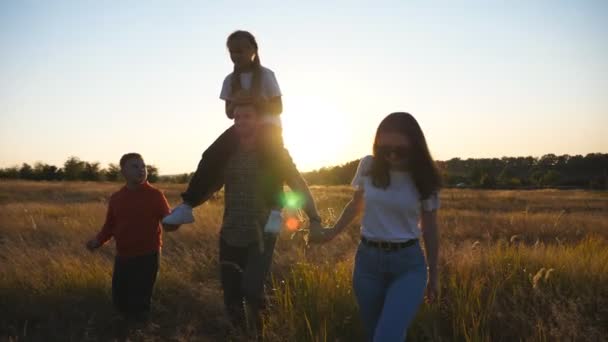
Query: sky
96	79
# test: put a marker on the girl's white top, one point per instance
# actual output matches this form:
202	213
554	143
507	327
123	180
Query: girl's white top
391	214
268	90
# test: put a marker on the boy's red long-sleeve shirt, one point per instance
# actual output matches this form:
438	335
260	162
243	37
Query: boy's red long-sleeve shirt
133	220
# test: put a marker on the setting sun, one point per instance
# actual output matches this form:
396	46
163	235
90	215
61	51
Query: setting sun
315	132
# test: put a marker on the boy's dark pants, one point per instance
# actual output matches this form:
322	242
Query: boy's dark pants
211	166
243	272
132	283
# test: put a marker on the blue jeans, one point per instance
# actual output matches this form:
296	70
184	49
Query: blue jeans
389	286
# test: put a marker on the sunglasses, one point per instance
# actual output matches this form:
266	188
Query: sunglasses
399	151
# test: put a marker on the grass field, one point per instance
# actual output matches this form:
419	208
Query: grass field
515	265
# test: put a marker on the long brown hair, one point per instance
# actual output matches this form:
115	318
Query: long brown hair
256	67
420	163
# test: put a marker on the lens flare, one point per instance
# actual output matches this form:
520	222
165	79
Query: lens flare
292	224
293	200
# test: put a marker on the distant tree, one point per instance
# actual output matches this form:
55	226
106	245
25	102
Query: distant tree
599	183
26	171
113	173
10	173
551	177
487	181
91	172
548	160
46	172
514	182
73	168
506	176
476	175
185	178
152	173
536	177
452	180
562	161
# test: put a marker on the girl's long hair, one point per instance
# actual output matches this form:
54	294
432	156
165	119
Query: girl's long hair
256	67
421	166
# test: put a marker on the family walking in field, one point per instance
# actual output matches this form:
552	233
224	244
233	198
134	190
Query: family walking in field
395	195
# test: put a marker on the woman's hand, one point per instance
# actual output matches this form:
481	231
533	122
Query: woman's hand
432	289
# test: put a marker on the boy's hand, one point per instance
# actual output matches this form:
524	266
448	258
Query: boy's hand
170	227
93	244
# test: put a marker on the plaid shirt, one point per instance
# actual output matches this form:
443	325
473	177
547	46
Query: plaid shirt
245	213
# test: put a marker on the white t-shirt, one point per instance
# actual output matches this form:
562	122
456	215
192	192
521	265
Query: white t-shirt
391	214
268	90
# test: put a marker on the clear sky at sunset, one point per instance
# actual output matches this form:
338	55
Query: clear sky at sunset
96	79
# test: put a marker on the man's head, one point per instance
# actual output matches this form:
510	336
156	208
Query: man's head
246	120
133	168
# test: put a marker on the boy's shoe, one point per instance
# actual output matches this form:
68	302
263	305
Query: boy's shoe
182	214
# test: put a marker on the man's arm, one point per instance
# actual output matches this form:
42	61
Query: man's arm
296	182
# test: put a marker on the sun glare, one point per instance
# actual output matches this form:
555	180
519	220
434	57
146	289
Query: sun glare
315	133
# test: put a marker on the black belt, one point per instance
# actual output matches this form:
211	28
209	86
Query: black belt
387	245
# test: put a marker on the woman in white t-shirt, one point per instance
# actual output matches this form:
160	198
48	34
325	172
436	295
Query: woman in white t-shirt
396	189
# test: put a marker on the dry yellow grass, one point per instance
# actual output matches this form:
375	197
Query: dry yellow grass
516	265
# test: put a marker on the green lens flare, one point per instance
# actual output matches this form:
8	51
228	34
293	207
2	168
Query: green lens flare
293	200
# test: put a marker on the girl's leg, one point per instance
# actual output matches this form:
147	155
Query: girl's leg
369	285
404	295
210	167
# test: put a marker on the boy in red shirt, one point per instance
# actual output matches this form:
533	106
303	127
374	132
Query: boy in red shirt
133	220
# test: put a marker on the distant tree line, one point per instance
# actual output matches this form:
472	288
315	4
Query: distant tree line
590	171
72	170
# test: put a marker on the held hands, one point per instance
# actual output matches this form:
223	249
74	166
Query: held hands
93	244
318	234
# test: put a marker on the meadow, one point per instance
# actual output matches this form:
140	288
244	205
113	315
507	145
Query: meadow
515	266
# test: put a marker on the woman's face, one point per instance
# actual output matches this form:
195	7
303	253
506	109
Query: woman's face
241	51
394	148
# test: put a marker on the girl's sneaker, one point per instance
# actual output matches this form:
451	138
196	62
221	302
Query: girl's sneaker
182	214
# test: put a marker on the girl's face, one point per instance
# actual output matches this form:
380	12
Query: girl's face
394	148
241	51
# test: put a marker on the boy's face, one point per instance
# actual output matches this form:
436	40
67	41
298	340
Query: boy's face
245	120
134	171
